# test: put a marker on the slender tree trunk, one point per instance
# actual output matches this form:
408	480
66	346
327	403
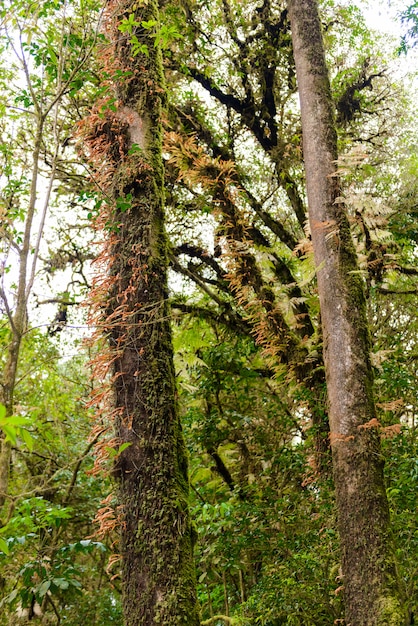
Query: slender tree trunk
159	585
18	319
371	586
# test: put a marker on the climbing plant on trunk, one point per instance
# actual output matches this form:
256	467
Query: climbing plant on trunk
123	137
371	589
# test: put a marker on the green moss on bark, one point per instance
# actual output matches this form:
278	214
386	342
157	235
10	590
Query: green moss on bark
158	582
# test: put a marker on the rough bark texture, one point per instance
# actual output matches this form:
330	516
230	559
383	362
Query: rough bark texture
159	584
371	588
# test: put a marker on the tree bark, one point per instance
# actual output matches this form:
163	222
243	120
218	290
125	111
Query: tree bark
159	585
371	586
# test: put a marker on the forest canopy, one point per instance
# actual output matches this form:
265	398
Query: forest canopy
165	428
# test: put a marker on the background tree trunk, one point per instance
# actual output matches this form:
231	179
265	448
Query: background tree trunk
159	584
372	593
18	318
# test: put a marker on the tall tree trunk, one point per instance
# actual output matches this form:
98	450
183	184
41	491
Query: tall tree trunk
371	586
159	585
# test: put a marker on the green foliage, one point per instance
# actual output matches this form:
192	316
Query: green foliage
409	18
402	486
163	34
44	549
267	544
14	426
267	551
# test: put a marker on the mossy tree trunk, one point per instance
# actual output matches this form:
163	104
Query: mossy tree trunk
371	587
159	585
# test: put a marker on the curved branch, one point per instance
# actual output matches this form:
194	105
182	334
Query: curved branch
196	279
276	227
227	317
405	292
201	254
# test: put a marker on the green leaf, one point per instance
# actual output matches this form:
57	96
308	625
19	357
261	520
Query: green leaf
43	588
61	583
4	547
52	54
149	24
124	446
135	149
124	204
138	48
15	420
202	577
128	24
28	439
11	434
113	452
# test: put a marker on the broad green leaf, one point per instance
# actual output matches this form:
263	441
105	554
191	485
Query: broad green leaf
61	583
11	434
43	588
4	547
15	420
27	438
